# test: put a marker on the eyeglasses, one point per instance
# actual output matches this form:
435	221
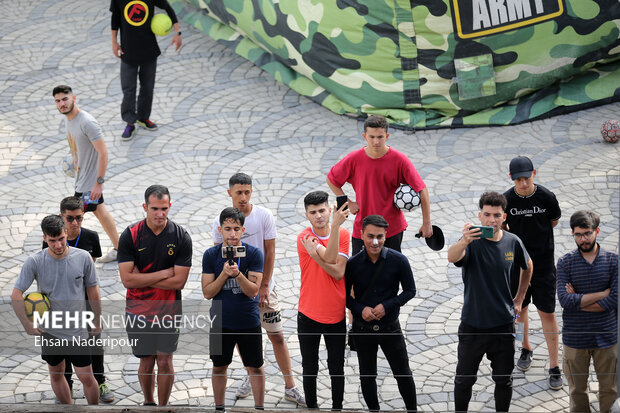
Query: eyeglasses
77	218
585	235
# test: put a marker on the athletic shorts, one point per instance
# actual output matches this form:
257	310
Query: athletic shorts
54	351
92	205
151	339
250	342
542	290
271	315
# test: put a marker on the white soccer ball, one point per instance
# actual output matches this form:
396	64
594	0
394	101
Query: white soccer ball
67	166
405	198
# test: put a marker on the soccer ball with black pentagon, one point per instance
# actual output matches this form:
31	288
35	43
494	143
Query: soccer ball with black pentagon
36	302
405	198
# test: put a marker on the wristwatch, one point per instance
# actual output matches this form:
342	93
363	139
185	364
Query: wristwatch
100	180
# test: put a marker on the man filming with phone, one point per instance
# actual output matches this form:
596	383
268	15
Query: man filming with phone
231	276
487	317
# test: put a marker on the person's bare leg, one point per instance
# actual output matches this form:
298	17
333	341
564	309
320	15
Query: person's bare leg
165	377
219	384
91	388
59	384
146	377
283	358
108	224
257	381
551	331
526	326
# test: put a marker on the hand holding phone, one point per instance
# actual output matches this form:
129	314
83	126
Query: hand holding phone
340	201
486	232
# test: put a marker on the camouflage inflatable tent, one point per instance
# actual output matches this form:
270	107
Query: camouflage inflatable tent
428	63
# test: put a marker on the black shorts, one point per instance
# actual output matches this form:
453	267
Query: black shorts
55	350
250	343
92	205
542	290
147	339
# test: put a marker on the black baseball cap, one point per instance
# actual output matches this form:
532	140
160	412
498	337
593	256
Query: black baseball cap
520	167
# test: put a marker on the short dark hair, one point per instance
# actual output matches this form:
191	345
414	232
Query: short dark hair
239	179
232	214
584	219
493	199
52	225
316	198
376	121
157	190
376	220
62	89
71	203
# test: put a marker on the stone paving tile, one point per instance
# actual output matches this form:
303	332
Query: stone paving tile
218	114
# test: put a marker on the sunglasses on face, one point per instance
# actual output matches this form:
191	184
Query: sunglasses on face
77	218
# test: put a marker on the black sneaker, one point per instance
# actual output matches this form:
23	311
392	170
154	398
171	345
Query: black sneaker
128	132
525	361
147	124
555	378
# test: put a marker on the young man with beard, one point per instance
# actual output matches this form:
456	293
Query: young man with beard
323	252
62	274
588	293
154	259
90	157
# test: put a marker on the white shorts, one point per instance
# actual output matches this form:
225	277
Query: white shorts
271	314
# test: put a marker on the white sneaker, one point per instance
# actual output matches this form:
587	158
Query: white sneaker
244	390
109	257
294	395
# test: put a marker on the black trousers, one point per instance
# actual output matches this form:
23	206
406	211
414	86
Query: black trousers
498	345
132	110
310	333
392	242
393	345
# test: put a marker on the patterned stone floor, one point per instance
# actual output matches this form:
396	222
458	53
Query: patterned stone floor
218	114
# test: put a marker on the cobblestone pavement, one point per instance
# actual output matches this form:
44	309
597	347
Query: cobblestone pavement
218	114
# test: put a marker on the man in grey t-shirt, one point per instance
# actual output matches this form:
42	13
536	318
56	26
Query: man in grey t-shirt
62	274
90	157
487	318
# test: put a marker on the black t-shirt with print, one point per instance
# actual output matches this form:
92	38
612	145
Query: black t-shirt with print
133	18
529	218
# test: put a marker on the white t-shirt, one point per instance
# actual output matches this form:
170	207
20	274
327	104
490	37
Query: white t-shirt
260	225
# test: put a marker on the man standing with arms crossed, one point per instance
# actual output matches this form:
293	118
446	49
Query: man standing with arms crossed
90	157
154	259
138	52
62	273
487	318
72	212
375	172
260	232
233	284
532	213
323	252
375	275
588	293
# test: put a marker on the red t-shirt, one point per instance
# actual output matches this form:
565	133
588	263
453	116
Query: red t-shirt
321	297
374	182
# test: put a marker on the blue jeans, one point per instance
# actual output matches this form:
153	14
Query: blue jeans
140	110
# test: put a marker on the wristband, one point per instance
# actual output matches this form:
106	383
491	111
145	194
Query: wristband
179	33
238	273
